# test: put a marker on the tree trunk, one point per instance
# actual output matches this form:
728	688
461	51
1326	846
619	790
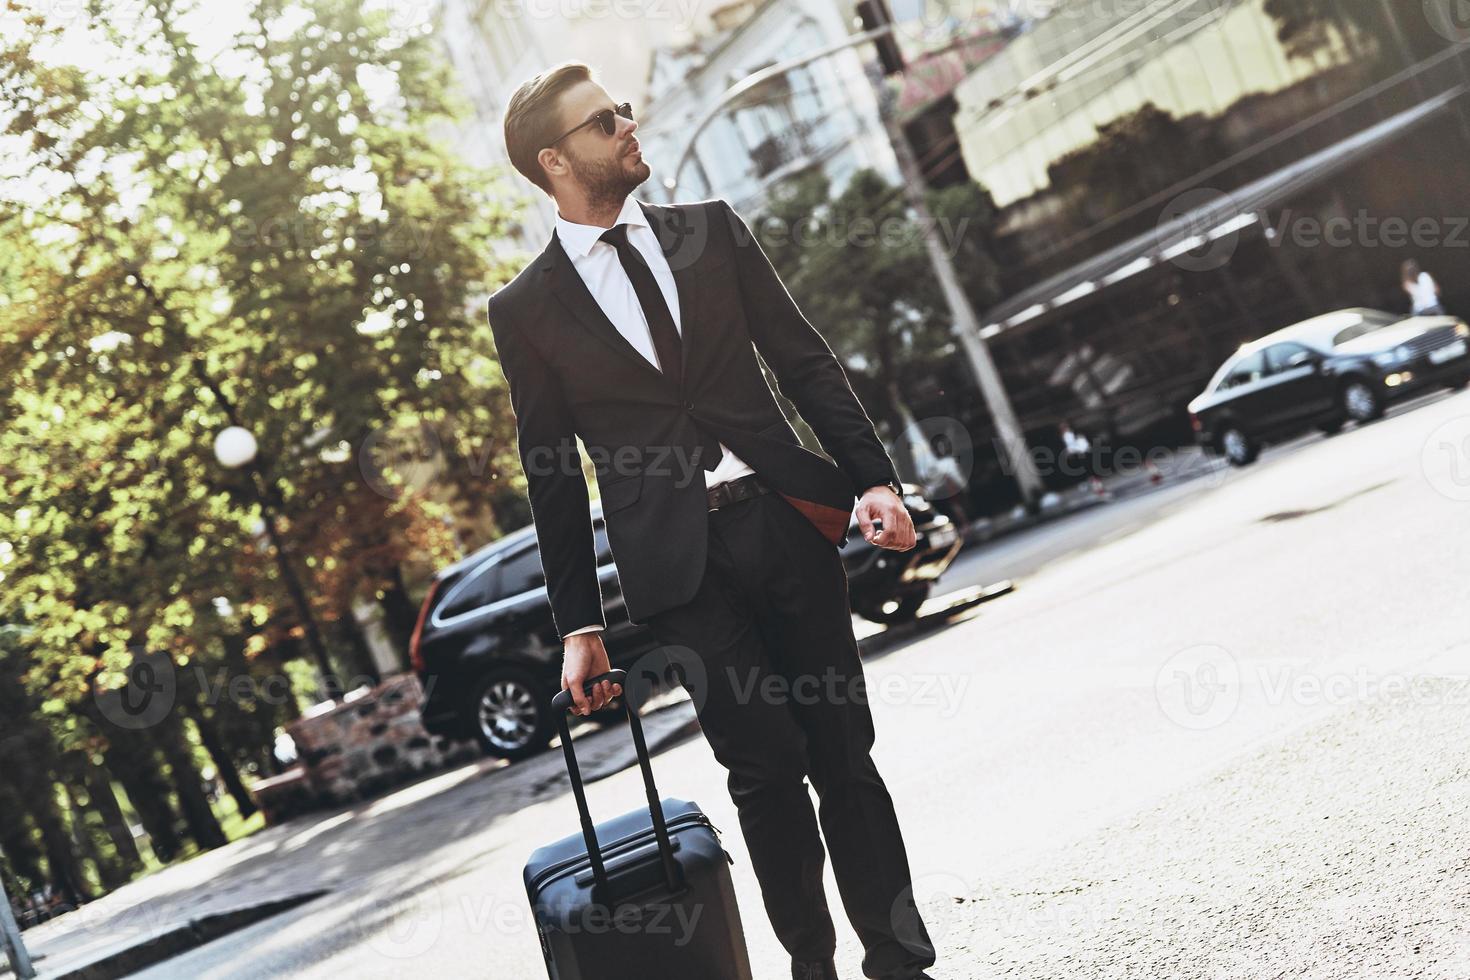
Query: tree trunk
109	870
361	664
400	614
16	839
104	801
37	785
912	460
10	883
228	773
247	728
135	764
63	868
193	804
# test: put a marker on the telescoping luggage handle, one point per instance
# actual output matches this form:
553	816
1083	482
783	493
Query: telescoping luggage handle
559	707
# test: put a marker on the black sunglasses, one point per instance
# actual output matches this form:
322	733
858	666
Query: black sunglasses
605	119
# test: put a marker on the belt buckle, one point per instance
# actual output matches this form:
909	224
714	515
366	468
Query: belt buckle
734	491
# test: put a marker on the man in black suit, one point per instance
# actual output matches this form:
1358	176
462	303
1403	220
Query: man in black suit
637	329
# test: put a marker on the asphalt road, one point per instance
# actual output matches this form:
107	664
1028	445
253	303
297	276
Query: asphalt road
1218	731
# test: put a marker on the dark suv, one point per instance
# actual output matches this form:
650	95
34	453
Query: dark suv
488	653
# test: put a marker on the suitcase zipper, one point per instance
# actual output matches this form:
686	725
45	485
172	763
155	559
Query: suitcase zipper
621	844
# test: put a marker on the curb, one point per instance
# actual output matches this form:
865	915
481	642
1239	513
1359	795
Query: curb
179	940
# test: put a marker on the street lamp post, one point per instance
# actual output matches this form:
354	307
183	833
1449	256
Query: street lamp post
10	940
235	447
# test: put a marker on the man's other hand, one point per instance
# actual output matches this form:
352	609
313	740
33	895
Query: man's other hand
881	503
584	656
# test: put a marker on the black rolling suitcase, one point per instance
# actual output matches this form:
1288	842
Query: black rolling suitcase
644	896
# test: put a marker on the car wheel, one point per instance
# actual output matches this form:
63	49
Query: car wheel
511	713
1360	402
1238	448
897	609
1456	384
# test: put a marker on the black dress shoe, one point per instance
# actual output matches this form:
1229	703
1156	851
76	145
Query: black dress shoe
813	970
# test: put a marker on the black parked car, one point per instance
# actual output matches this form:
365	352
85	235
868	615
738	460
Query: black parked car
488	654
1340	367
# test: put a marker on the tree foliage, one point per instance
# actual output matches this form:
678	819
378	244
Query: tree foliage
1133	158
206	225
856	264
268	235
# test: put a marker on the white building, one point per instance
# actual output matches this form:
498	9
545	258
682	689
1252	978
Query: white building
821	115
494	45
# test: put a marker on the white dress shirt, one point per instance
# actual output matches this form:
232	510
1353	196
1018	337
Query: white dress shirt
597	263
1424	293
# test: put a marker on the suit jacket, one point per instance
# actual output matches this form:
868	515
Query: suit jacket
571	373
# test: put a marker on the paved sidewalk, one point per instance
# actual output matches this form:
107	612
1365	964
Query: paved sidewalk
360	850
1113	773
341	849
1336	853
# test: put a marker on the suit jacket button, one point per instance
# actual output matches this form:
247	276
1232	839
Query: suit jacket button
689	406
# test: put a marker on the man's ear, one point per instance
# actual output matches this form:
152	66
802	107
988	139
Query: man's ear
551	161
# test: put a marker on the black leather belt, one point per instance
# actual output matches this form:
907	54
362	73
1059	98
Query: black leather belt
732	491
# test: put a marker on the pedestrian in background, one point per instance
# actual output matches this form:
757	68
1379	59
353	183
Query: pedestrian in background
1422	289
945	484
1077	454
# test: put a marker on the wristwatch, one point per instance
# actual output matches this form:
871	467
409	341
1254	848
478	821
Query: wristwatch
892	486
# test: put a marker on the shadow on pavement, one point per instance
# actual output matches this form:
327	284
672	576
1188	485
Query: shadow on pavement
935	616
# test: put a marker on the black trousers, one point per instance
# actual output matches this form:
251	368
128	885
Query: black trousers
771	662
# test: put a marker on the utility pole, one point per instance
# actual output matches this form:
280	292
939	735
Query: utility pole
878	28
1012	449
10	941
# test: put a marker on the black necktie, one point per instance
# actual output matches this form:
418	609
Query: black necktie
666	342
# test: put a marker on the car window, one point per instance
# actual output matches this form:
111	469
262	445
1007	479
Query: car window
1284	357
521	572
1248	369
475	589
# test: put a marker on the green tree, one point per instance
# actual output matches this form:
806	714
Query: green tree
267	237
856	265
1134	157
266	233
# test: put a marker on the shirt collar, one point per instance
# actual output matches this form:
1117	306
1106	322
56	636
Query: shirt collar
579	239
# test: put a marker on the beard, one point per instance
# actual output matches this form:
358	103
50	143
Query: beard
607	183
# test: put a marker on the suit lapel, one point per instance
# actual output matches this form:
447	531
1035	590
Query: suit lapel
567	286
817	488
681	246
